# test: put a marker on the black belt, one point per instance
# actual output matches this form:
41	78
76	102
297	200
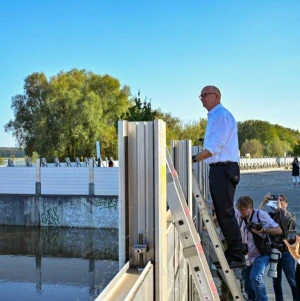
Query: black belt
220	163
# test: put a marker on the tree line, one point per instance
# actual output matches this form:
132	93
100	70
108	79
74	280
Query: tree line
65	115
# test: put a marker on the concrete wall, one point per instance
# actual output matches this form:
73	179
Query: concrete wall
60	211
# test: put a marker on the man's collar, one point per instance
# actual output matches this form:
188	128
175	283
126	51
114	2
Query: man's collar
214	109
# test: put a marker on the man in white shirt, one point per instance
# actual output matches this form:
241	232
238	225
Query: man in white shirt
221	152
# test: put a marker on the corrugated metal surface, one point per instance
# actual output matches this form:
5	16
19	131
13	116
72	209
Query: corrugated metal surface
17	180
59	180
70	181
106	181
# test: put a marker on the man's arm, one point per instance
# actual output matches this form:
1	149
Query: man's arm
204	154
271	231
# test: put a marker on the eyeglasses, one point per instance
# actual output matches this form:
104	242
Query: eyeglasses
204	95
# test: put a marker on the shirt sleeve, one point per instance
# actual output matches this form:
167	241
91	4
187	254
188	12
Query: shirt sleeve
299	261
266	220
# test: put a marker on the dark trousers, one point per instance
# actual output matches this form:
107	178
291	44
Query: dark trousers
297	276
222	182
287	264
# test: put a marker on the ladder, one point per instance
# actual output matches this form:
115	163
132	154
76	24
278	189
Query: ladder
191	242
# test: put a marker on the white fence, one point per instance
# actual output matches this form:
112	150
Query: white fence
59	181
264	163
75	181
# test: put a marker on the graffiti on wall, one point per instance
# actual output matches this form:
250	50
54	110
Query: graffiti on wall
51	217
105	213
51	235
74	216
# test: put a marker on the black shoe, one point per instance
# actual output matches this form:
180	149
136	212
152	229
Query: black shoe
237	264
233	264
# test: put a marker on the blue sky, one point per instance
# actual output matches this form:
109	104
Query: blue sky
167	49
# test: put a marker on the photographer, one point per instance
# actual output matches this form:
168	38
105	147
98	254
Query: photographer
255	227
287	222
294	251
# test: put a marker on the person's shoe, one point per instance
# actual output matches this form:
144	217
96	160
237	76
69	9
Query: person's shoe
233	264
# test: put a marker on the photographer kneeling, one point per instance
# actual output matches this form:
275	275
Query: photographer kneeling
287	222
255	227
294	249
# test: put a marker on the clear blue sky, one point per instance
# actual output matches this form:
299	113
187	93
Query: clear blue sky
167	49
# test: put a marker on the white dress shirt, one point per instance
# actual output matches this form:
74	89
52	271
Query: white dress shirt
221	138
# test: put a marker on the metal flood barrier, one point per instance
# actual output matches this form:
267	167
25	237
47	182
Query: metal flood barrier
152	265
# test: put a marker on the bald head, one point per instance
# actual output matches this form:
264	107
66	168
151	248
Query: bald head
210	97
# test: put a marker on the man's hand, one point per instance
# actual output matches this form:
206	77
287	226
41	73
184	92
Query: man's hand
294	246
267	197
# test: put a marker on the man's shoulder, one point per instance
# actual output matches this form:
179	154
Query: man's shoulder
263	214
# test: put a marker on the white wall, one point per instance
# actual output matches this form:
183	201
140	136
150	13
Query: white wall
59	180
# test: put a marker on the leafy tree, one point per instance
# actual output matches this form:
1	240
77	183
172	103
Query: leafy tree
296	149
34	157
140	111
173	126
193	131
1	161
275	139
65	115
279	147
252	147
255	129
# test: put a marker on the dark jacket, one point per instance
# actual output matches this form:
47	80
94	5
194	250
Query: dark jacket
286	220
295	171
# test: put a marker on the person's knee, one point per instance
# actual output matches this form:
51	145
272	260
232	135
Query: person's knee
256	279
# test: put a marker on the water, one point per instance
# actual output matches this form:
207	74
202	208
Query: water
64	264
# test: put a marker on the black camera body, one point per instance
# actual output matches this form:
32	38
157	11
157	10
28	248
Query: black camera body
256	226
291	237
278	246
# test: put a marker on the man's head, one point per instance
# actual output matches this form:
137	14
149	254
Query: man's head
245	206
210	97
283	201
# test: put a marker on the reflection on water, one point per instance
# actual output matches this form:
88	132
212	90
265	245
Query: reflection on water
41	264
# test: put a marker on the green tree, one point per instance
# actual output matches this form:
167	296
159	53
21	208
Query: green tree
252	147
296	149
255	129
279	147
65	115
140	110
194	131
1	161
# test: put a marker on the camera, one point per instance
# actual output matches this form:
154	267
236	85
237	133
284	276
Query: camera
201	139
277	245
274	197
291	237
255	226
275	256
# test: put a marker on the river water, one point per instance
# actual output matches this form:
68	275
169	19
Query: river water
64	264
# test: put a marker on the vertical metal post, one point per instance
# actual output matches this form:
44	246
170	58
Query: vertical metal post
123	192
38	185
160	190
91	178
